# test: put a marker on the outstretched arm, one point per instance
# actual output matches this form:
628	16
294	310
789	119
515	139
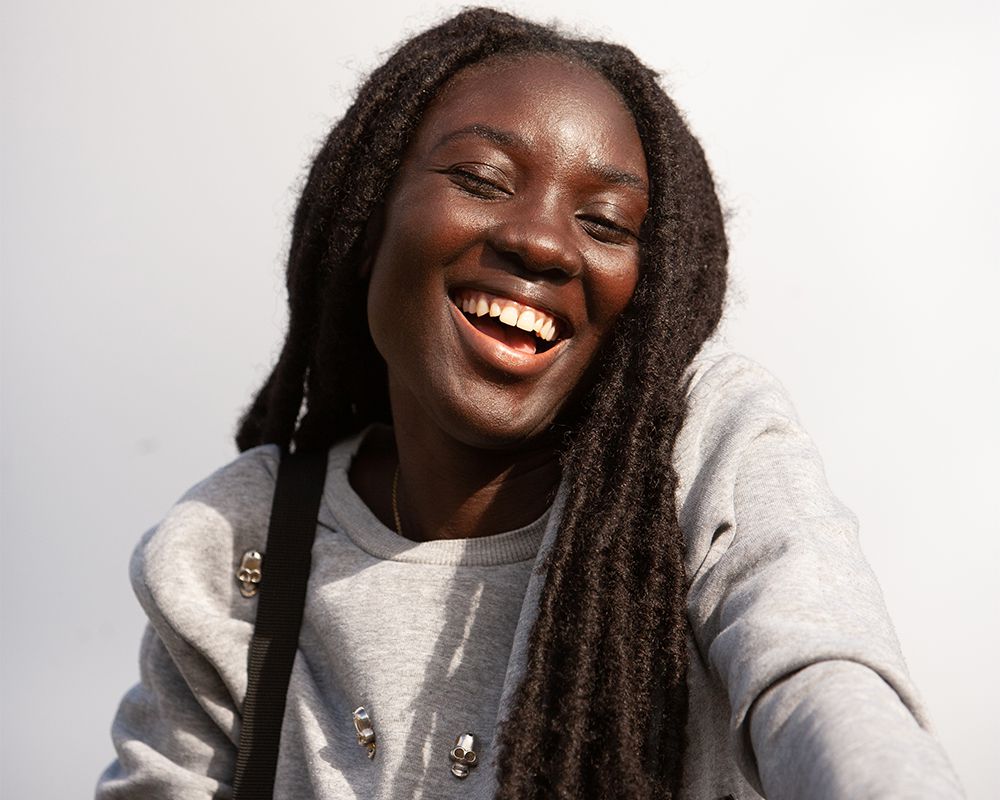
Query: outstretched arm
792	621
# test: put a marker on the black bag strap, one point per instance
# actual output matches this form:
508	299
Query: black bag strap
281	597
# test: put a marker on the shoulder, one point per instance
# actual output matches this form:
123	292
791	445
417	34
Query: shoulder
183	570
731	399
723	381
733	405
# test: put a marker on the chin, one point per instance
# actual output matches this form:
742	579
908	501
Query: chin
497	423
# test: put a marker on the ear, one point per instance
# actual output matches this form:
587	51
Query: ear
372	238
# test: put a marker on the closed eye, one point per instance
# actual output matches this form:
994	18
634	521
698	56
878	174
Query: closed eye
606	230
476	185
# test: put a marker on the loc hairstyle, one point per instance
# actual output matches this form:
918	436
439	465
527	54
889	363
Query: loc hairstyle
602	709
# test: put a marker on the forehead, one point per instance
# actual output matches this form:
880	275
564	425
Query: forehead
547	101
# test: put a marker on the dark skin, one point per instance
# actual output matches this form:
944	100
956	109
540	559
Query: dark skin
526	181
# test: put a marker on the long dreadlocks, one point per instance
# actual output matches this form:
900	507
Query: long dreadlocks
602	709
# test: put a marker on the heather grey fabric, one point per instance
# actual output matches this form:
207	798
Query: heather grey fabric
797	685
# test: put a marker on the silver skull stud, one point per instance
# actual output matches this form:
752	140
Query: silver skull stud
249	573
463	756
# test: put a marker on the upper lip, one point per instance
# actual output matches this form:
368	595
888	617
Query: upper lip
527	294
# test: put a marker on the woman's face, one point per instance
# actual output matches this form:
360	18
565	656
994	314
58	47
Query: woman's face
507	249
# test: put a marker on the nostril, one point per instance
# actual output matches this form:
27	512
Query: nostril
539	248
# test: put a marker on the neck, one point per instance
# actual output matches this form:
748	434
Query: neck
448	489
451	490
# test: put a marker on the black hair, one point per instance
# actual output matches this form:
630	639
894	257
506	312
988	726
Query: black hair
602	709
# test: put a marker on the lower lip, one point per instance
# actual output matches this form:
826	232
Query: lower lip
498	355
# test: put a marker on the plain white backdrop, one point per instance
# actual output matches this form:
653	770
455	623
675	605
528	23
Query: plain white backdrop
151	155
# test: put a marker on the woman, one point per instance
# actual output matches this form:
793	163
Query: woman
590	538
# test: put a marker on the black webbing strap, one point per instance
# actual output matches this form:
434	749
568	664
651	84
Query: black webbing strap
281	597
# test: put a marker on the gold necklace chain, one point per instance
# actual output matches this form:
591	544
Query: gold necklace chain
395	501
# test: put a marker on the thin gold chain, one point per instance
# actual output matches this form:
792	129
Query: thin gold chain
395	500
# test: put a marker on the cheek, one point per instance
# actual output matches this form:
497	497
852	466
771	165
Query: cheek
422	233
399	269
407	285
611	292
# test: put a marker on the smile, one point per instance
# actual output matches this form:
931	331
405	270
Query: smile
518	326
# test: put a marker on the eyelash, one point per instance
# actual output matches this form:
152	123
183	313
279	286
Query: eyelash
480	187
620	234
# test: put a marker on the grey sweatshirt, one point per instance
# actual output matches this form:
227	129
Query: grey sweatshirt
797	686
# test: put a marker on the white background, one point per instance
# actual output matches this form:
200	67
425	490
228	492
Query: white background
151	154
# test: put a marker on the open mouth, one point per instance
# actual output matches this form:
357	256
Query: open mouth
516	325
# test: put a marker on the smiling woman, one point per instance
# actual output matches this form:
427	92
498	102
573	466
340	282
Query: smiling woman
567	545
509	199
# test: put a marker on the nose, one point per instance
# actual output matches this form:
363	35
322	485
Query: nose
538	242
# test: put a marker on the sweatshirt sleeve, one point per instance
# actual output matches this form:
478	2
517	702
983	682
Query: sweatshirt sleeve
168	747
789	616
176	732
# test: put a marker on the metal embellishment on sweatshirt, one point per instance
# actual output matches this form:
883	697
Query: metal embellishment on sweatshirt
463	756
365	730
249	573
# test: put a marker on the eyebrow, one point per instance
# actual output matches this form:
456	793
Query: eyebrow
607	173
619	177
491	134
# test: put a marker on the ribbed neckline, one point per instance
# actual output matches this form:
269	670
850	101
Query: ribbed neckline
351	515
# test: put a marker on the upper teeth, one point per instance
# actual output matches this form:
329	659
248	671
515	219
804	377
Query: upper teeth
509	312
